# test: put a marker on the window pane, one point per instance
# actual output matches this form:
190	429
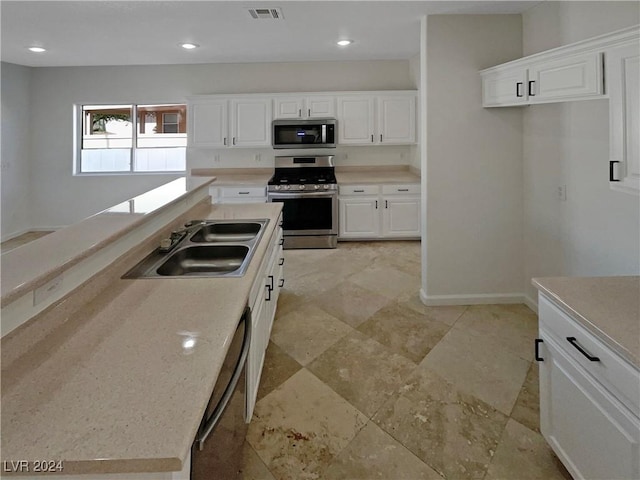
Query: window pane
106	127
160	159
161	126
105	160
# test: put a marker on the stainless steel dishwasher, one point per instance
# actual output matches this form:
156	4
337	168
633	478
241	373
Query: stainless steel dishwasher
217	451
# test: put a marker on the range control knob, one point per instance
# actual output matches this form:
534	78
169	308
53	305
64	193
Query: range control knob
316	187
326	187
288	187
302	187
278	187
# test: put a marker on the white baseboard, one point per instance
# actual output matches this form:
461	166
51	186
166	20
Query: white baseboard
531	303
472	299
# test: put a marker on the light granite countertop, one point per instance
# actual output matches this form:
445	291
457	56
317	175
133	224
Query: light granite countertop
344	175
609	307
120	392
33	264
378	175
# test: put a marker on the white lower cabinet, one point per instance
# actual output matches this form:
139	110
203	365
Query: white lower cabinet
239	194
263	300
373	211
588	400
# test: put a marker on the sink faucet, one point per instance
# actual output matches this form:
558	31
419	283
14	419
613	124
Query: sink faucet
168	244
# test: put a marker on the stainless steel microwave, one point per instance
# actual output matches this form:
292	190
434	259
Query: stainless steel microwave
311	133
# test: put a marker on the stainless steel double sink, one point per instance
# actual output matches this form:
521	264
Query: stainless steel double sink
204	248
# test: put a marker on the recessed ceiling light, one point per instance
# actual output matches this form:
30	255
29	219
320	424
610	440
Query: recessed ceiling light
344	43
189	46
37	49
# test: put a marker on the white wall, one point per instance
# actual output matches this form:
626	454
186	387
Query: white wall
15	149
59	198
596	231
474	163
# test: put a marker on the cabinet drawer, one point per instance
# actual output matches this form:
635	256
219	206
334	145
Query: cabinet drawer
242	192
406	189
612	371
359	189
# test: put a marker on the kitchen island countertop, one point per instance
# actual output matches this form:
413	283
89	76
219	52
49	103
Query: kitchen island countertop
116	388
609	307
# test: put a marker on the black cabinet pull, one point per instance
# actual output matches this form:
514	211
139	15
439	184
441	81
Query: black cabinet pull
243	193
281	262
224	141
271	280
386	204
281	283
282	241
358	191
403	189
376	204
371	138
611	164
268	299
300	112
234	140
518	92
309	113
380	137
531	94
537	354
574	342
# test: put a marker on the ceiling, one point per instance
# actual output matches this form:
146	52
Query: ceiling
148	32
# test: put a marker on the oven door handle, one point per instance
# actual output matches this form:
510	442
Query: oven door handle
214	419
301	194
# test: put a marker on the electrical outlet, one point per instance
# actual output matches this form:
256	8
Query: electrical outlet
258	157
562	193
216	158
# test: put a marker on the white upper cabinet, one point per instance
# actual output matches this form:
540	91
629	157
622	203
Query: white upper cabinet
623	67
244	120
397	119
506	87
356	120
394	123
573	77
207	123
251	122
321	106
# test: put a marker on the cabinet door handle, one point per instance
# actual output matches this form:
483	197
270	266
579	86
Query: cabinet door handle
281	241
309	113
380	137
234	140
300	112
372	138
224	141
281	283
386	204
376	204
271	280
243	193
358	191
403	189
537	350
268	299
574	342
281	262
611	171
531	82
518	92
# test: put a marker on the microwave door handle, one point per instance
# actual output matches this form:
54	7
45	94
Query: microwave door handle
214	419
324	134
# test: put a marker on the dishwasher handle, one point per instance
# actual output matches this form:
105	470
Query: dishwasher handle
213	420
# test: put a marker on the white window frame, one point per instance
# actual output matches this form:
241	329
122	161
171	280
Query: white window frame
78	134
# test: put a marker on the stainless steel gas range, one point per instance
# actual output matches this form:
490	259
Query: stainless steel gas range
306	185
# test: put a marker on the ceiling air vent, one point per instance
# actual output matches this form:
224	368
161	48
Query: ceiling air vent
266	13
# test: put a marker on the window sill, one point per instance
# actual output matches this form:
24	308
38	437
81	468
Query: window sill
121	174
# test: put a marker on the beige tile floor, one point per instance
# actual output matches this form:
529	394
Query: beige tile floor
362	381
